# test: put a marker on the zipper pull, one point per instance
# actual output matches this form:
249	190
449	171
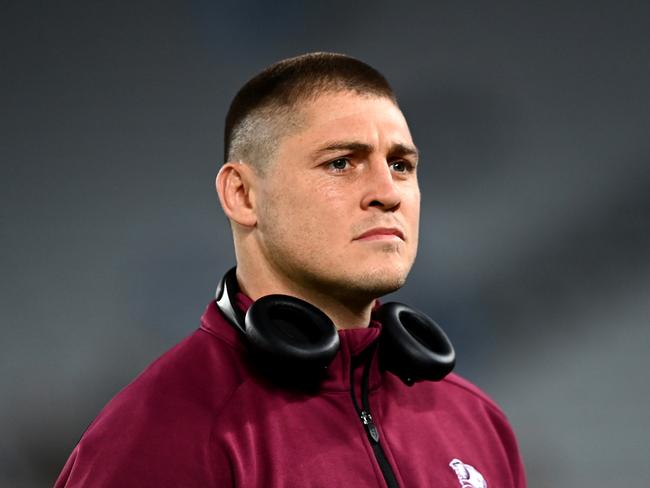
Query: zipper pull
370	426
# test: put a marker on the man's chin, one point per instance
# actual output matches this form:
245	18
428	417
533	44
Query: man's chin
376	283
358	283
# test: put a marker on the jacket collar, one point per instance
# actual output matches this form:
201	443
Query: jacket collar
353	342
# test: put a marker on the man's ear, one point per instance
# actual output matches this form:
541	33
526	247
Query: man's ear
234	185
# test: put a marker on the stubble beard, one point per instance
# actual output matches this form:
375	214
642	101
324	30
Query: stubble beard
356	285
306	271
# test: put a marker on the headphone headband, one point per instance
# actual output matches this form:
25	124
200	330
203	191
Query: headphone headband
225	297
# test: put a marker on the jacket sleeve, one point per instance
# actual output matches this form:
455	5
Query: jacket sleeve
159	430
121	453
152	435
509	446
516	463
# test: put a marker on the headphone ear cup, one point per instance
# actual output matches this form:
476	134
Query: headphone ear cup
290	336
412	345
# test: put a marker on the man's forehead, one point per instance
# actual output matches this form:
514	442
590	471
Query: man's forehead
345	111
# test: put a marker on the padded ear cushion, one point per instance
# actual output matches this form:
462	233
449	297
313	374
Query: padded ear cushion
412	345
291	333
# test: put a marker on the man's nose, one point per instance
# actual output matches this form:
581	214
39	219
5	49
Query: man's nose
381	188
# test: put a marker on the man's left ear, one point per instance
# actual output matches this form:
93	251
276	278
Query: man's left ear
234	187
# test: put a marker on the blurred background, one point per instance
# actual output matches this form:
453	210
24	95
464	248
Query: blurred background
533	120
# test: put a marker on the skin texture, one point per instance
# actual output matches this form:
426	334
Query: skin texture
301	227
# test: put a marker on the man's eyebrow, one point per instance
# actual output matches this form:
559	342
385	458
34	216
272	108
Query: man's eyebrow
397	149
344	146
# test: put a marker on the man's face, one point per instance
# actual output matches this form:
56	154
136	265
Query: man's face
338	208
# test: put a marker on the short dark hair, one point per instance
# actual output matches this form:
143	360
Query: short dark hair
264	108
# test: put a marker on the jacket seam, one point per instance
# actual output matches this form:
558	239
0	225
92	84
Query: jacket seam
485	400
232	344
216	417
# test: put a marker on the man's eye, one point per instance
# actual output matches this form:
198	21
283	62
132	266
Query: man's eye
340	164
401	166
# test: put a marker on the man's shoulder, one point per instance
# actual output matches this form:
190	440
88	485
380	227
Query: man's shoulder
462	398
200	371
166	414
184	388
465	388
470	405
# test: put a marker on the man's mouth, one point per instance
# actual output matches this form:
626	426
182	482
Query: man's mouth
381	233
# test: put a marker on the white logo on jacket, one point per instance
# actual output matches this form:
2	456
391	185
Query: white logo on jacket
468	476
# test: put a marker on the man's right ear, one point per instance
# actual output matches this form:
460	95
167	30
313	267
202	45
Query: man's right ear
234	187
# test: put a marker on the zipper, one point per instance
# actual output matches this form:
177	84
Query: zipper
371	429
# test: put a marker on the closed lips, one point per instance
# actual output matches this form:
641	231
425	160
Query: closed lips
381	232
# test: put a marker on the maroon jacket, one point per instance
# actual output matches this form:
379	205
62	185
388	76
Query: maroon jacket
201	416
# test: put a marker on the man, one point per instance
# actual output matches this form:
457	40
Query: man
320	187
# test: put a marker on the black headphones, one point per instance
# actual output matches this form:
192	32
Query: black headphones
296	338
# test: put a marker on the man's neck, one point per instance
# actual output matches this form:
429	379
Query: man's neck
345	314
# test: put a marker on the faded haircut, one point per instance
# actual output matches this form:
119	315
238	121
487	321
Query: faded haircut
266	108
